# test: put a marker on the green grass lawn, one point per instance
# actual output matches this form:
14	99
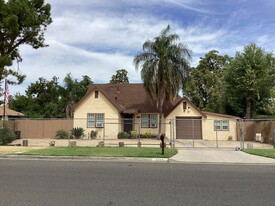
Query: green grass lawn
104	152
261	152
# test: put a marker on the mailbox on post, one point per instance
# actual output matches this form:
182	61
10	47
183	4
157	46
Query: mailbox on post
162	143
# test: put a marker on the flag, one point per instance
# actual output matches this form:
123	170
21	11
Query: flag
7	93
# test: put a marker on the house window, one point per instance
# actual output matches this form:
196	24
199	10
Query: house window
96	94
149	120
221	125
95	120
184	105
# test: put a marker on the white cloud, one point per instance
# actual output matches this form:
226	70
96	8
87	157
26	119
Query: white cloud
95	38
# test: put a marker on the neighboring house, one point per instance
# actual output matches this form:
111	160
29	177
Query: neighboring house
113	108
9	113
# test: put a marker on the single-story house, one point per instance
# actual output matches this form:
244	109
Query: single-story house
9	113
113	108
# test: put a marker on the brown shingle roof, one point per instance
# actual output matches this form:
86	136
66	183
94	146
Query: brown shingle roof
130	98
9	112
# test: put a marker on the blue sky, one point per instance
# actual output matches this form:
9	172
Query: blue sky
98	37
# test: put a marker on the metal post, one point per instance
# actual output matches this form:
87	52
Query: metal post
241	134
171	140
139	125
69	138
193	133
173	132
26	124
217	143
104	132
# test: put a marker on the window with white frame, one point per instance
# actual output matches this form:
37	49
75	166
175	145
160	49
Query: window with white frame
221	125
149	120
95	120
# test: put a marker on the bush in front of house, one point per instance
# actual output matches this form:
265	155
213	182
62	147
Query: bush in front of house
6	135
93	134
123	135
62	134
77	132
148	135
133	134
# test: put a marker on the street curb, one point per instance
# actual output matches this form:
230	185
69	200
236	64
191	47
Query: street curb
119	159
84	158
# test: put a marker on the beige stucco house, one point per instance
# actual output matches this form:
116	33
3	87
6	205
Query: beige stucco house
113	108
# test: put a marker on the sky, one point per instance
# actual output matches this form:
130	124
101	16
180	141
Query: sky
98	37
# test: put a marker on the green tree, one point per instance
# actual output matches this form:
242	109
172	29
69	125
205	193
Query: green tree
47	99
205	82
46	96
6	134
21	22
163	64
26	105
73	91
249	79
120	77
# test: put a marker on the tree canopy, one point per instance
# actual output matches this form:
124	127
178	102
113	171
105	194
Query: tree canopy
73	91
120	77
21	22
163	63
249	80
48	99
204	87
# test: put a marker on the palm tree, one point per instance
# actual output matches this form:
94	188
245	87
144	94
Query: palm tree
69	93
163	63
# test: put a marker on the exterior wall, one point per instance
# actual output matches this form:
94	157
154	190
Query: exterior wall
154	131
209	132
98	105
190	111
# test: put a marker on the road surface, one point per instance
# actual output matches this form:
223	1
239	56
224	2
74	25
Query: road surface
44	182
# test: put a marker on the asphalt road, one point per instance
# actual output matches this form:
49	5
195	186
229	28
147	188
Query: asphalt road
43	182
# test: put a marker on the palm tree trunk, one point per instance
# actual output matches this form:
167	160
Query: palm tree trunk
160	105
160	120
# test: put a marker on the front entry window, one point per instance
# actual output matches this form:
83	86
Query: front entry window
95	120
149	120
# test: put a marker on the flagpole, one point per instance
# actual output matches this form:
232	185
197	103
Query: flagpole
5	93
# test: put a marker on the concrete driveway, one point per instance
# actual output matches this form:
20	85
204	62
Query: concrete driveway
207	155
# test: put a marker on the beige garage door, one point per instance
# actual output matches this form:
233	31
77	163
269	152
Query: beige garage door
188	128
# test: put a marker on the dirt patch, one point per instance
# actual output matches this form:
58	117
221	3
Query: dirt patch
16	149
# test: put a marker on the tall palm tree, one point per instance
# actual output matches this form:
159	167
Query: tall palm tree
163	63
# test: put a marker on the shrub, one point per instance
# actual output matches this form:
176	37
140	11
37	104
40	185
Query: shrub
133	134
93	134
77	132
123	135
62	134
6	135
148	135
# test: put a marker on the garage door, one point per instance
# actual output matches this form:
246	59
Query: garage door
188	127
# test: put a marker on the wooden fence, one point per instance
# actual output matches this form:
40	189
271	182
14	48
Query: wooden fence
265	127
39	129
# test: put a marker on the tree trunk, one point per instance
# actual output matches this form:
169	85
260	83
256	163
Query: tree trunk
160	123
160	104
248	112
160	120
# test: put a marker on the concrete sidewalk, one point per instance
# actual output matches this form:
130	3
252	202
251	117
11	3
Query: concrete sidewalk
207	155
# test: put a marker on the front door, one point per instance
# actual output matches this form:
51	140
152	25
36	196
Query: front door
128	122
